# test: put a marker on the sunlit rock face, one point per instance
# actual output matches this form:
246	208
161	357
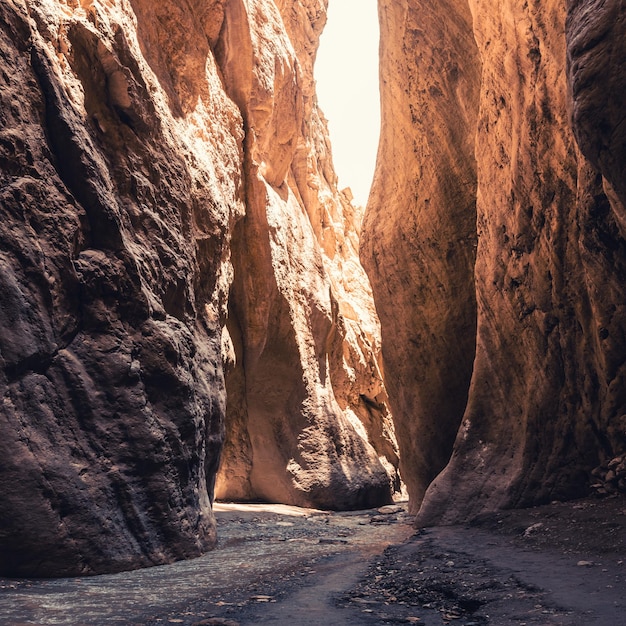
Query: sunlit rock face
134	138
545	395
308	421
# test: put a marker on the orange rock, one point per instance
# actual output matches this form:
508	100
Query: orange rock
540	400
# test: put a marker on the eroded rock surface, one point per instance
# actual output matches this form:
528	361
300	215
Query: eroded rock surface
546	399
596	49
114	243
310	424
419	238
134	138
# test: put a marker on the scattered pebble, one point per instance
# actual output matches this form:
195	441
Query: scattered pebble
390	509
216	621
533	529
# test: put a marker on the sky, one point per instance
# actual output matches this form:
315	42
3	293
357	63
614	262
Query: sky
346	71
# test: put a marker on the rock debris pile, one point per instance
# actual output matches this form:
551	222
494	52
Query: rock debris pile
610	477
412	583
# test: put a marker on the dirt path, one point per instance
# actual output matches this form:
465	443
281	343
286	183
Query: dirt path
314	604
558	565
471	577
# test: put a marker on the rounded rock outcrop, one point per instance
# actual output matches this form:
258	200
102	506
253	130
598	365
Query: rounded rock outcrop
166	282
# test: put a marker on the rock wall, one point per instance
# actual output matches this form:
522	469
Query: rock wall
596	49
310	424
178	267
545	396
169	213
419	234
114	231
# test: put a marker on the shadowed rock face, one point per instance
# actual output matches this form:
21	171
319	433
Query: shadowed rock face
596	49
546	400
134	137
114	272
419	234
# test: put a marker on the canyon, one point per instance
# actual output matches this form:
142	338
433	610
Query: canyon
186	313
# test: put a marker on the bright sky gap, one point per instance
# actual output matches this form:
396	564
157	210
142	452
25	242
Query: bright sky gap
346	71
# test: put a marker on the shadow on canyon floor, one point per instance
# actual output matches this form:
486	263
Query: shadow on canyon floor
563	563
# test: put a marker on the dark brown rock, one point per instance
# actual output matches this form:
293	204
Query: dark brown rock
596	49
111	246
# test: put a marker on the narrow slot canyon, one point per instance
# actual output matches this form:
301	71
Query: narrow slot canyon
231	394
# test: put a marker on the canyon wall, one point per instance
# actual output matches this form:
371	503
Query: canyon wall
518	125
308	422
175	263
183	312
419	233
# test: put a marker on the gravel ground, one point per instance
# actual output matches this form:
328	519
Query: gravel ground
561	564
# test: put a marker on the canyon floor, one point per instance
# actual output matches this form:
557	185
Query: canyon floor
563	563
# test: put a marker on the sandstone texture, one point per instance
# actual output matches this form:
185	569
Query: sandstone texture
114	244
308	421
173	263
536	138
419	234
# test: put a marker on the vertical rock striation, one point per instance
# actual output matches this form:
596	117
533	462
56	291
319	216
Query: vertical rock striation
134	138
310	424
546	400
419	236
